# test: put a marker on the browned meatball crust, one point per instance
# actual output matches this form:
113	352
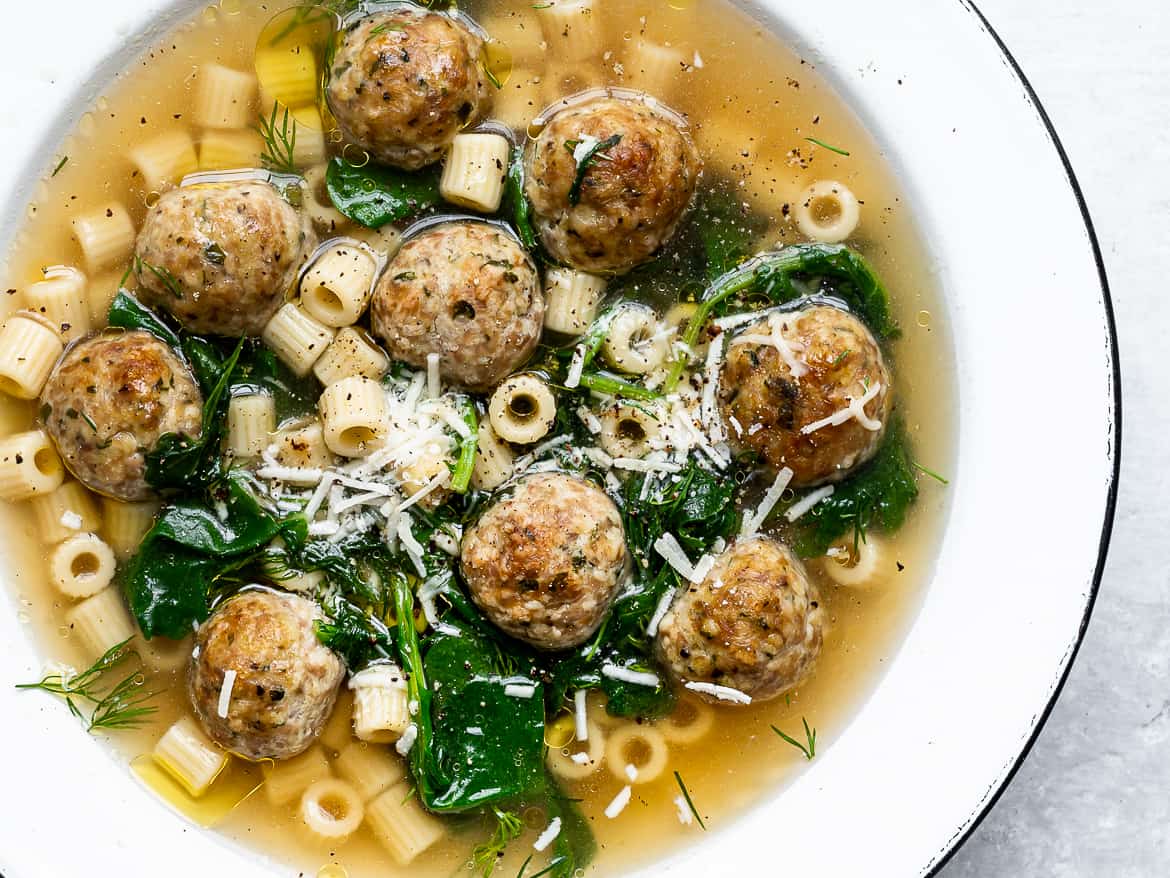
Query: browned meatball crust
545	562
107	403
221	258
633	193
404	82
754	624
466	291
286	679
772	406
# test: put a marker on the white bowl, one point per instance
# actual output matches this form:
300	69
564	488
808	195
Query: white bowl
1033	494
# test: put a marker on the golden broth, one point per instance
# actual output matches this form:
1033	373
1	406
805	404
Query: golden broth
752	104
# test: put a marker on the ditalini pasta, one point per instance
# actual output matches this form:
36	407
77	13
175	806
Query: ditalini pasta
189	756
319	207
69	510
370	768
224	150
251	423
61	299
641	747
286	780
355	416
399	822
636	342
106	237
353	353
29	348
380	713
302	446
165	160
655	68
689	722
576	760
858	563
82	565
100	622
573	29
332	810
224	98
572	299
125	524
337	287
288	73
297	338
522	409
475	170
828	212
495	462
29	466
629	430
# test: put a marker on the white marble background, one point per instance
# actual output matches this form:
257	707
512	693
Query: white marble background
1093	798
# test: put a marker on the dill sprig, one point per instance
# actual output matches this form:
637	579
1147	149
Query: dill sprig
809	747
121	705
487	855
690	804
940	479
164	275
828	146
280	141
592	154
60	165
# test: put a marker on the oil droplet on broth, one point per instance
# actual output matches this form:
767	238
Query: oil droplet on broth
497	60
211	16
680	5
924	319
231	789
332	870
230	7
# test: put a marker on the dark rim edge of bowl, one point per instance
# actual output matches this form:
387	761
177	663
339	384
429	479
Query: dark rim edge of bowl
975	821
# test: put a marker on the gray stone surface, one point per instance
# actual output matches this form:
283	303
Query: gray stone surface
1093	798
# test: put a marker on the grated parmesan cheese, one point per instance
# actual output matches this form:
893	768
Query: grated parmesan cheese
580	716
71	520
634	678
591	421
659	613
631	772
576	368
580	758
614	808
752	522
549	835
854	411
225	693
789	350
411	546
684	811
723	693
475	731
519	690
407	740
808	502
674	555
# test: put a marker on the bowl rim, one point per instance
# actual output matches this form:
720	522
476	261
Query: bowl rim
988	805
52	133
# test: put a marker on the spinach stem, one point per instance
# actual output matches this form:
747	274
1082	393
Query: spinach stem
461	478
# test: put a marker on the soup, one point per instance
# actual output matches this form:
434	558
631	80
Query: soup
575	474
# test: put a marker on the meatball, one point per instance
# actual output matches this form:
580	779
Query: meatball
221	258
754	623
108	402
466	291
786	376
285	681
631	194
545	562
404	82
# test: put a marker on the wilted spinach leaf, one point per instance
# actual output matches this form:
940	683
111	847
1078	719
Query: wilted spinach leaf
169	582
878	495
373	195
